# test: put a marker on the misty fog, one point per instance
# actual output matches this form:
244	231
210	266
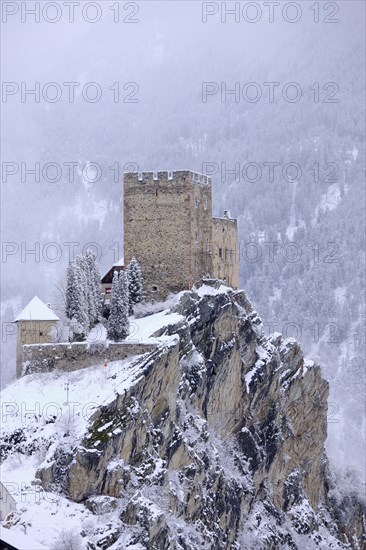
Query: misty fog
162	120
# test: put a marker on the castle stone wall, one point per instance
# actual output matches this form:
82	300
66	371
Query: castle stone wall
201	231
225	255
161	224
168	226
78	355
32	332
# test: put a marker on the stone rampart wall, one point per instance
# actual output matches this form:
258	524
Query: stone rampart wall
78	355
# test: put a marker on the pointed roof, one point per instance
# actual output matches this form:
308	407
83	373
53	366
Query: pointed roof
120	264
37	310
18	540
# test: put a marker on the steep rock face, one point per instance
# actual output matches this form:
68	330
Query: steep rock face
260	390
218	444
130	419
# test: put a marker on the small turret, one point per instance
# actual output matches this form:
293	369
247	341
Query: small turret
35	325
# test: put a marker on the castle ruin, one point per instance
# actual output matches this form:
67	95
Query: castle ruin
168	226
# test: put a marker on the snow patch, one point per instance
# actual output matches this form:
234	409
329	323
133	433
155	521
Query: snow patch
207	290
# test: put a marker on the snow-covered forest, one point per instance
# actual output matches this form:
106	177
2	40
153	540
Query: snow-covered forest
301	231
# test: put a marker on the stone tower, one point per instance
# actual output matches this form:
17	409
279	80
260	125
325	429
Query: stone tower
225	256
168	226
35	325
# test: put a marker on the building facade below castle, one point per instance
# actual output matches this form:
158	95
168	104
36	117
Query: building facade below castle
35	325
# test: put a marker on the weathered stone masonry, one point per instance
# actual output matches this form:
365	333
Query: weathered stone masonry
168	226
78	355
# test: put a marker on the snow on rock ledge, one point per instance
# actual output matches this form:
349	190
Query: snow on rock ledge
216	442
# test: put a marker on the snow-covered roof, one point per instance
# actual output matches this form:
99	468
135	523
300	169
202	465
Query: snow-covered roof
22	542
120	263
4	494
37	310
224	218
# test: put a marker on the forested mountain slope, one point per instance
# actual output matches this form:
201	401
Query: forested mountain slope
317	298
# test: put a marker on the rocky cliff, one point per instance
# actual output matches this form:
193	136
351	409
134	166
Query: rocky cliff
217	443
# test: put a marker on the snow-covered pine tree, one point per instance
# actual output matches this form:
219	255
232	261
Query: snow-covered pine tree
125	303
83	309
94	294
135	288
113	321
83	294
98	294
71	292
118	324
75	301
86	268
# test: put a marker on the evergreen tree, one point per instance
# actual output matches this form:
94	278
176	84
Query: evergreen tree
71	292
113	321
75	301
83	293
98	294
118	325
86	268
135	288
94	294
125	303
83	285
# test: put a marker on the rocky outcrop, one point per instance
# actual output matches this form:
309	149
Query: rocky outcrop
218	444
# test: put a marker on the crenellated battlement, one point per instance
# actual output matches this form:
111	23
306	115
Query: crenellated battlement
166	177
